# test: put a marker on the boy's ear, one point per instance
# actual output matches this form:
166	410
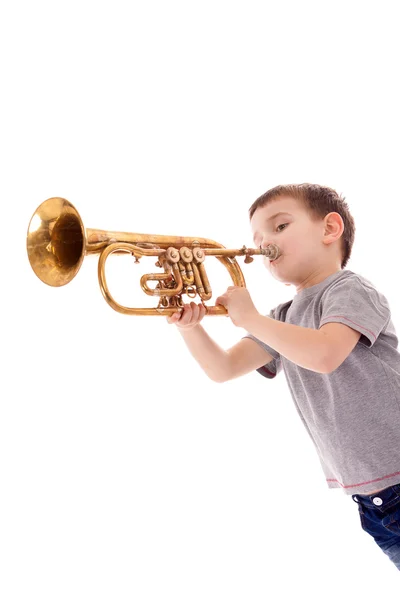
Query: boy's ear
333	221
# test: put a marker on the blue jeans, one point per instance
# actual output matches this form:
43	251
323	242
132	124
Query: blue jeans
380	518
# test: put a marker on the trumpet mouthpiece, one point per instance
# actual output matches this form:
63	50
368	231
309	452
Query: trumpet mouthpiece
271	251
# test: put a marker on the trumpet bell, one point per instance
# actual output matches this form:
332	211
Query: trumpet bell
56	242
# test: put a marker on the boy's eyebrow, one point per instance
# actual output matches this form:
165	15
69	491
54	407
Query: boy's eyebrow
272	218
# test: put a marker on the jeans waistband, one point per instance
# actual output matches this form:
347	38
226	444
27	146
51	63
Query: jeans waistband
387	496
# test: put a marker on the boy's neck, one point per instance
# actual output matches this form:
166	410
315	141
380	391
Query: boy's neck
316	277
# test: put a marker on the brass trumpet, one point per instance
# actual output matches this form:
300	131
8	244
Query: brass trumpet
57	244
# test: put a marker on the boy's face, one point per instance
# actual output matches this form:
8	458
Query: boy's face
304	254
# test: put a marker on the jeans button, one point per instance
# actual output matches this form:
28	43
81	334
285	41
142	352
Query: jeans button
377	501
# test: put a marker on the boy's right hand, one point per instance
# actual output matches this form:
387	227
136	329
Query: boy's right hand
189	317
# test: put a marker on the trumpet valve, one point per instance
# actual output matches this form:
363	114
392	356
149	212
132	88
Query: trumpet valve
186	254
198	255
172	255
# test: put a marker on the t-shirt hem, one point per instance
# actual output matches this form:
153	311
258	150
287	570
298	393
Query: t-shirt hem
367	336
263	345
365	488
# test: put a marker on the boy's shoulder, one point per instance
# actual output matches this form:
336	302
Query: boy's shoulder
348	280
341	283
353	277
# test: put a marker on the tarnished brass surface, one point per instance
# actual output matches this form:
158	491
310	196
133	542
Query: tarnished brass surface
57	244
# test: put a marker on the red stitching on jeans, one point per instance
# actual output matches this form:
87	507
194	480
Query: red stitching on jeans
365	482
350	321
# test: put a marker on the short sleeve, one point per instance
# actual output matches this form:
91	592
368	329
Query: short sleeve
272	368
357	304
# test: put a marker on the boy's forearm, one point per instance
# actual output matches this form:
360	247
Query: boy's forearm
213	359
304	346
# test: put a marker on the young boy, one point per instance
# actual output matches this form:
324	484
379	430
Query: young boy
335	342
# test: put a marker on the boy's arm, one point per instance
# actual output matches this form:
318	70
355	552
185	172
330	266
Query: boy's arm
213	359
318	350
223	365
342	340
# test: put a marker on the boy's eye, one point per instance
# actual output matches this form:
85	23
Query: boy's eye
283	225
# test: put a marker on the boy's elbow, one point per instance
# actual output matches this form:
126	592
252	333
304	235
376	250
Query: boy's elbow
329	367
219	379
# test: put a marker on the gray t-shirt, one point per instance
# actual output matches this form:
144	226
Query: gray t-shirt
352	414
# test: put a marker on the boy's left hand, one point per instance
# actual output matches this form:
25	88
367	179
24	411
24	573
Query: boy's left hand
239	305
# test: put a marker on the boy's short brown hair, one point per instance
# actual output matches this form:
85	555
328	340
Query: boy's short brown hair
318	201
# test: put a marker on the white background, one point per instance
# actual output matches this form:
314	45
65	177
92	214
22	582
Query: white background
125	472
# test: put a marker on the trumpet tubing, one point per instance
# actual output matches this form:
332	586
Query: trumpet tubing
57	243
